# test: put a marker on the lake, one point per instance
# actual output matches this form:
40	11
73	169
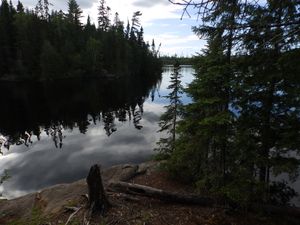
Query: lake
56	131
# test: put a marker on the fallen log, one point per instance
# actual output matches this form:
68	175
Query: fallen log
161	194
98	202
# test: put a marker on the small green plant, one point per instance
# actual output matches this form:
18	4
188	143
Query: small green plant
35	219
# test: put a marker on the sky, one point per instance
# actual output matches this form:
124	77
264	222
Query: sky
161	21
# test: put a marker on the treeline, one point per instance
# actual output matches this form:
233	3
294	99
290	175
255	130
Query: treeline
171	60
39	44
243	128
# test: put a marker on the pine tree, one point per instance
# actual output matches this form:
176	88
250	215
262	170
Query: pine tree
236	132
170	118
103	16
265	93
135	25
202	133
127	31
74	13
42	9
20	7
118	24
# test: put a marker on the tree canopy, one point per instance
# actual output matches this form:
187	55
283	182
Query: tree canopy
39	44
242	129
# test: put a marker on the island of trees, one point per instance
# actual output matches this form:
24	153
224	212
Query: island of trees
39	44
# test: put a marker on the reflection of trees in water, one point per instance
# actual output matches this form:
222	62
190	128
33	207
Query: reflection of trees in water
56	131
17	139
56	134
109	123
53	108
137	113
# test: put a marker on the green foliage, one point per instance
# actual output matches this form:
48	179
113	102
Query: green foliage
243	124
51	62
35	218
38	44
103	16
170	60
169	119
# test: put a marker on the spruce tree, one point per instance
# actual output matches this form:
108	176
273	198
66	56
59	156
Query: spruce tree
42	9
20	7
267	93
74	13
103	16
245	108
169	119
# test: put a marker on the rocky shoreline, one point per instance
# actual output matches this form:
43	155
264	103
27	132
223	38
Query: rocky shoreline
53	199
66	204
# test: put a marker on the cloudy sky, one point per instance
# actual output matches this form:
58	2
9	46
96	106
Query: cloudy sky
160	19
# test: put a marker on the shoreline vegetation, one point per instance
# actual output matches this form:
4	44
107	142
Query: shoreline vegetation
124	186
238	134
39	44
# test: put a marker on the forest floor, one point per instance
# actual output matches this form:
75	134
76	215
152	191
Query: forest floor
55	205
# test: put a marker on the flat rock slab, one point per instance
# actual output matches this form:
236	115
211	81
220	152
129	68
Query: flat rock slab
53	200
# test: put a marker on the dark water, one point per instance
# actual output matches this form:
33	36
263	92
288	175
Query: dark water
56	131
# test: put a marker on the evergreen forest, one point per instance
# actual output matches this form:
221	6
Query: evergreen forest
39	44
242	129
237	141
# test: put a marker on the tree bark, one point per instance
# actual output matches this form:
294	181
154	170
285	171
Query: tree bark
98	202
161	194
137	189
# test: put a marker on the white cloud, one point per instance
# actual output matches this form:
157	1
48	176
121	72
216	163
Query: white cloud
127	8
152	3
176	43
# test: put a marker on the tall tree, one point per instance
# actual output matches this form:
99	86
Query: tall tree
20	7
42	9
103	16
268	89
169	119
135	25
74	13
237	129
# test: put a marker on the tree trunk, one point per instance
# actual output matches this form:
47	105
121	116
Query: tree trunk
161	194
137	189
98	202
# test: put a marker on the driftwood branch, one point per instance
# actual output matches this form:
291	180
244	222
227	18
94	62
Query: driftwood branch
137	189
72	215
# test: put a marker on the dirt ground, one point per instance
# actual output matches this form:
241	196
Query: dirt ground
135	210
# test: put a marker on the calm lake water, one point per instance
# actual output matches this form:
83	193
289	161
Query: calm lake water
56	131
76	123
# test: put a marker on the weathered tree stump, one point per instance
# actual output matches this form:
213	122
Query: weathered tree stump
98	202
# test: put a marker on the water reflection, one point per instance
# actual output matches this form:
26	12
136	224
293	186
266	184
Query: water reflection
57	131
30	109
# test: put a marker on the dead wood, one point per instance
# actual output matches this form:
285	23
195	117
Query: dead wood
163	195
98	202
